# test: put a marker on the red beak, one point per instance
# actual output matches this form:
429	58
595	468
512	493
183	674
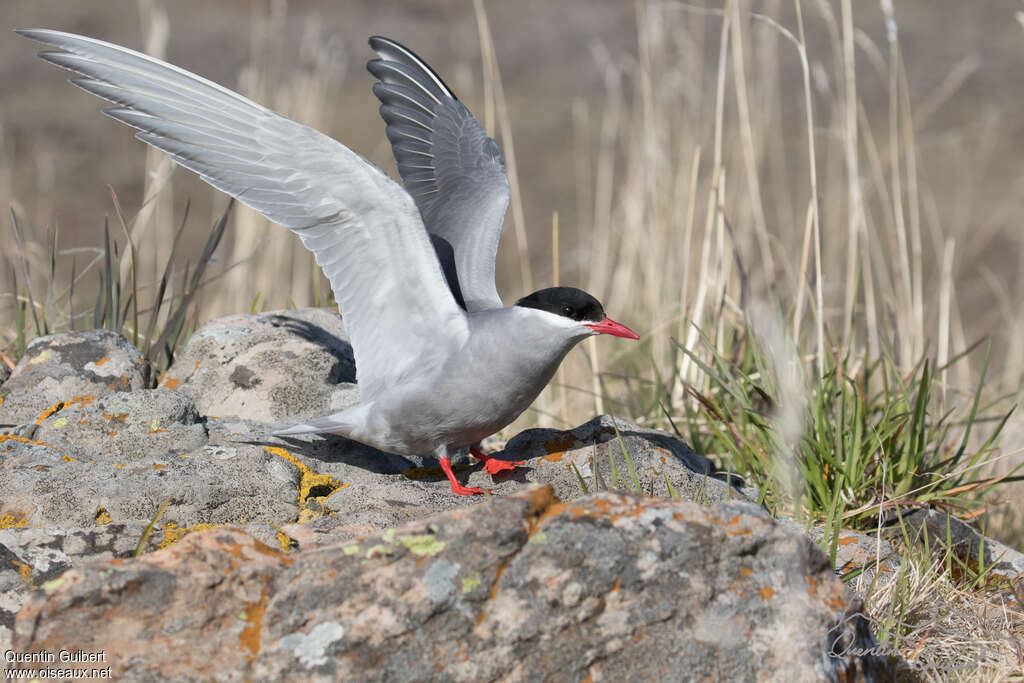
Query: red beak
609	326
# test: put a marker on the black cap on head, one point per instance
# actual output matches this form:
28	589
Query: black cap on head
567	302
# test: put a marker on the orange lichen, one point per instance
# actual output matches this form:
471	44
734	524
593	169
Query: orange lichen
738	531
766	592
253	615
121	417
555	457
847	540
170	383
57	407
22	439
159	467
562	444
101	361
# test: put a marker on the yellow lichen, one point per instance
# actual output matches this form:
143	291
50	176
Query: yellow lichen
173	533
42	357
53	584
68	458
470	582
287	543
313	488
25	572
102	517
10	520
422	544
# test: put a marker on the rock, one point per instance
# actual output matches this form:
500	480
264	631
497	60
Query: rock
270	367
129	453
31	557
126	427
939	529
865	555
67	367
611	586
592	452
379	490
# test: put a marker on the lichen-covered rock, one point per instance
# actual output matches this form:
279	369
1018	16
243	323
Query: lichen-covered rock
128	454
268	367
381	490
609	587
872	559
70	366
30	557
126	427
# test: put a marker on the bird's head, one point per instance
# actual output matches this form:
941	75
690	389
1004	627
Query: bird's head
575	310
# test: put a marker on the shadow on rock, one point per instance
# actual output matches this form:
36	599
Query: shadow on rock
344	369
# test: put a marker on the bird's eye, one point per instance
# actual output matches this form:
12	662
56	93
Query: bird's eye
567	311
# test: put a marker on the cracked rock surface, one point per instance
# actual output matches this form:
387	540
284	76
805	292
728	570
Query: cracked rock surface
611	586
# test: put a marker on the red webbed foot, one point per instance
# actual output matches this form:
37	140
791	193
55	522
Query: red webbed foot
457	488
494	465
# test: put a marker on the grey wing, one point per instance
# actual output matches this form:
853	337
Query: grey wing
363	228
453	170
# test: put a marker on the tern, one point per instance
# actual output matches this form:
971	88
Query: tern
441	362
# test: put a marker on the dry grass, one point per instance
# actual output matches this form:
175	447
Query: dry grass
944	631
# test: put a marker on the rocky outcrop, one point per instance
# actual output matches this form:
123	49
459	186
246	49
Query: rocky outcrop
609	587
317	558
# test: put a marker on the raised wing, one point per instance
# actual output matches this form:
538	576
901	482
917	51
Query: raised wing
452	169
363	228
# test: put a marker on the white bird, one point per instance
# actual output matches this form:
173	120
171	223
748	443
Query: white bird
441	363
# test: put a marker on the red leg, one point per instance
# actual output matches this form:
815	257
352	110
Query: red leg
457	488
494	465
